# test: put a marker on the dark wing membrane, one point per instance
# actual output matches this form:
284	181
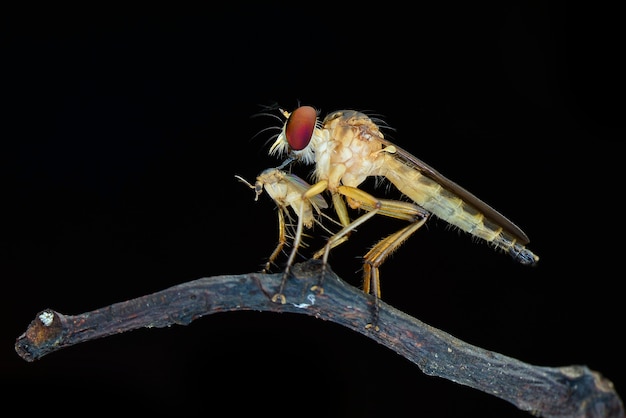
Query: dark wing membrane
468	197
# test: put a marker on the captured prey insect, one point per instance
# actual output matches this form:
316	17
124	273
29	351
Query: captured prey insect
347	146
287	191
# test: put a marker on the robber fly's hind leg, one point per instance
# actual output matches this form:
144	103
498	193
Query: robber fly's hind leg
415	215
377	255
371	281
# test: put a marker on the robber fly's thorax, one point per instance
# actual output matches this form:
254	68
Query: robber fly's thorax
352	153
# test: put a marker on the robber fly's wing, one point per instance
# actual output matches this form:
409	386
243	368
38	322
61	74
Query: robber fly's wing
451	186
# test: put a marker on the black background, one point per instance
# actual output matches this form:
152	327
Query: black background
123	131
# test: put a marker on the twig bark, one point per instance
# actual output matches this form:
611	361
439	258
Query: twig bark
570	391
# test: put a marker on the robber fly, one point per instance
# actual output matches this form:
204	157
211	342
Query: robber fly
347	146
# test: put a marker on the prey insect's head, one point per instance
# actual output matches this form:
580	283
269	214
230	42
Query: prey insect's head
257	187
298	135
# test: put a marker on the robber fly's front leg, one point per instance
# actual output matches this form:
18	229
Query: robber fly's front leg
338	239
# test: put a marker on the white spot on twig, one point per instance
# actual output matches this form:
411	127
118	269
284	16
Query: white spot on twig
310	297
46	318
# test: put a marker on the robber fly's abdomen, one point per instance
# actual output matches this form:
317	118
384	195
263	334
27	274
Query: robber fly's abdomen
447	205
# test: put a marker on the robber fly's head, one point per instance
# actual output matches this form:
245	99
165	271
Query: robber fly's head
299	135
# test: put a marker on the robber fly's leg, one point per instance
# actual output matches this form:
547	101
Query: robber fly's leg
409	212
377	255
339	238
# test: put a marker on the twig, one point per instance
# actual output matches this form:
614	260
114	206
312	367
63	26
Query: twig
571	391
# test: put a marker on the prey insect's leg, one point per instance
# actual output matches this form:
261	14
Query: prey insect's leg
263	180
282	240
296	244
311	193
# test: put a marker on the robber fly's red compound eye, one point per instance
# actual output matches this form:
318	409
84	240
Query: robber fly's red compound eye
300	126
